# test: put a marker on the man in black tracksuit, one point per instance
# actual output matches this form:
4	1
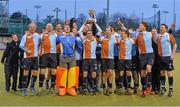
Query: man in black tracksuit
11	59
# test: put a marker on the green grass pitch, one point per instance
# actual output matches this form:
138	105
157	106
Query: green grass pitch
16	99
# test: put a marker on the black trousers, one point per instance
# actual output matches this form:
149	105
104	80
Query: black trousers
156	75
11	70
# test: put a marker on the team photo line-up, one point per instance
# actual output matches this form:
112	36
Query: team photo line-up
84	60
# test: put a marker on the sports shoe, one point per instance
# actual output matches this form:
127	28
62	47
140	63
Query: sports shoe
24	92
32	90
52	91
148	89
144	93
170	93
162	92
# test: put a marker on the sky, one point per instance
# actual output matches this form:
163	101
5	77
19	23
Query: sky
123	6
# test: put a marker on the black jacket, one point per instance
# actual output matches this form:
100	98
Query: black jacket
11	53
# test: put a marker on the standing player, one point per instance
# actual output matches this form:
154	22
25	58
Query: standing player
146	57
164	41
30	45
116	56
135	63
89	61
49	57
107	55
125	62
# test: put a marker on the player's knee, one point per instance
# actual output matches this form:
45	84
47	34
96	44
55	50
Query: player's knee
128	73
85	74
148	68
143	73
170	73
110	73
25	73
162	73
121	73
94	74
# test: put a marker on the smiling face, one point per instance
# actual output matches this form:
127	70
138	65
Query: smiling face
108	31
163	29
74	30
49	27
142	27
67	29
32	28
15	37
58	27
89	34
154	31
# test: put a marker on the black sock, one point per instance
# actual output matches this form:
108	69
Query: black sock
143	82
110	85
94	83
128	81
162	82
41	80
33	80
85	82
149	79
170	82
53	78
121	78
117	82
104	86
24	82
80	81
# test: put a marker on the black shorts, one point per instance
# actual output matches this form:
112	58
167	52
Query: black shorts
40	61
49	60
58	57
107	64
79	64
89	65
30	63
166	63
125	65
116	61
146	59
135	63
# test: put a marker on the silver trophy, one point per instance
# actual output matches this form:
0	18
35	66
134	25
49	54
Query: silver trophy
92	13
